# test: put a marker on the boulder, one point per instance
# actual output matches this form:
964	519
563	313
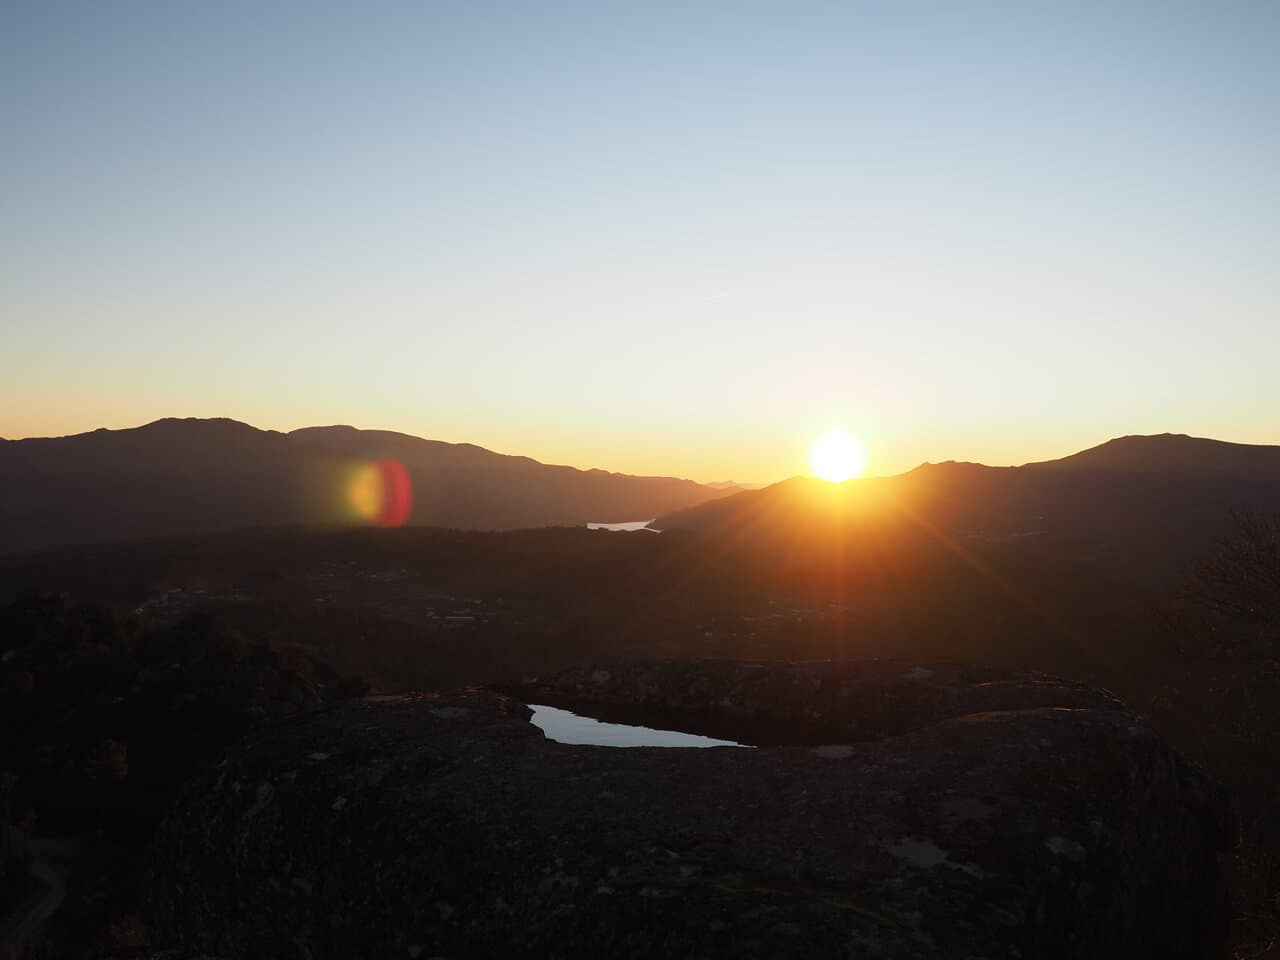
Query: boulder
895	811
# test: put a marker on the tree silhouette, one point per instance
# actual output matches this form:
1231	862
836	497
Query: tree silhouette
1241	579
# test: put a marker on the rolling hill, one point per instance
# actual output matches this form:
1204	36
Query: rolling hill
1173	453
462	485
196	476
1143	505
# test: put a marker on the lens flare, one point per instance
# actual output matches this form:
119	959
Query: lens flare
381	493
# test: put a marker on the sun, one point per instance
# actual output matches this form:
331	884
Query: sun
836	456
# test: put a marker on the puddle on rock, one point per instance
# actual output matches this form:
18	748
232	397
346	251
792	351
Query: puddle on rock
565	726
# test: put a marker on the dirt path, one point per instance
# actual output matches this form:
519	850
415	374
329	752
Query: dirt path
50	869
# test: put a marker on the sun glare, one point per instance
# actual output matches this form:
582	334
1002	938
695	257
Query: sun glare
837	457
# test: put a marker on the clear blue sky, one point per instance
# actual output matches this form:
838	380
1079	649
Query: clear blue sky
664	238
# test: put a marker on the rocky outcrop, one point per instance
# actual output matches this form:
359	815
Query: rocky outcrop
816	702
101	723
945	813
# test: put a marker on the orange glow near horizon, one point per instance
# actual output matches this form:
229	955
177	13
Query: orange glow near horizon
836	456
381	493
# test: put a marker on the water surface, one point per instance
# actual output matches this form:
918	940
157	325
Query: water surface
628	526
564	726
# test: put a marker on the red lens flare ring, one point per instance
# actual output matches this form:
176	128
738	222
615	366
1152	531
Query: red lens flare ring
381	493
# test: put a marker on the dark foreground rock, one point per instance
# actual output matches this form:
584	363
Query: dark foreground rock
946	813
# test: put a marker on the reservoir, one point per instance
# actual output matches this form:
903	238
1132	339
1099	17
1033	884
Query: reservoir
630	525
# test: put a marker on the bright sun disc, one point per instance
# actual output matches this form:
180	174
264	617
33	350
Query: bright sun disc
837	457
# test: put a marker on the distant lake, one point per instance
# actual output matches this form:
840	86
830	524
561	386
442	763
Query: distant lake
630	525
564	726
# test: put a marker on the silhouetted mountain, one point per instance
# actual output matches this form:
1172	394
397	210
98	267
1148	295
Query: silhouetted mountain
1145	504
1173	453
733	486
462	485
194	476
170	476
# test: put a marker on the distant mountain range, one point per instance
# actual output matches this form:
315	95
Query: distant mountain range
1147	497
1145	502
193	476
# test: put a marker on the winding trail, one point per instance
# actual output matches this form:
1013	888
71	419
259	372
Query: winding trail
50	869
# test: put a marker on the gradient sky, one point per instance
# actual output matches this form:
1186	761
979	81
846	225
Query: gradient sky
673	238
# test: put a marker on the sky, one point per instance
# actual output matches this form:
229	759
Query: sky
664	238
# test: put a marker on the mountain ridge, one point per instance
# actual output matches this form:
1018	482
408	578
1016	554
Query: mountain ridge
1146	503
195	475
1178	452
